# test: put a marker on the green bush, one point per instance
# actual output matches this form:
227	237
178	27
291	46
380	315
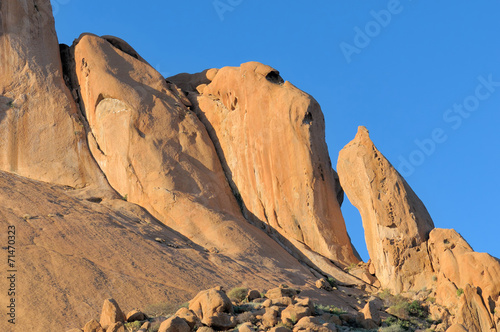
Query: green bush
238	294
460	291
415	309
133	326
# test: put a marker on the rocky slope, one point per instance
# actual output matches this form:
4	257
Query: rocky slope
121	183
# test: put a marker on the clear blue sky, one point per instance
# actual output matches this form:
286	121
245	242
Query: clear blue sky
411	71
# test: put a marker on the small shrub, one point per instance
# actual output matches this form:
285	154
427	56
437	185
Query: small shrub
238	294
460	291
10	104
434	278
415	309
331	309
350	267
133	326
125	198
431	299
332	282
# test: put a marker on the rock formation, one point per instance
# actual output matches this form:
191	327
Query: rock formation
122	184
407	252
395	221
42	134
270	137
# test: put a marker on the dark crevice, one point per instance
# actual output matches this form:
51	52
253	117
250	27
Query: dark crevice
308	118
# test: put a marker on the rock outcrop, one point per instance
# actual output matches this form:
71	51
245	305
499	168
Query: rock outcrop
270	137
407	252
42	134
395	221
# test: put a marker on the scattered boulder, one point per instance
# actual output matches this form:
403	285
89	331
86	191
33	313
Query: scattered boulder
93	326
323	284
270	318
293	313
253	295
315	324
221	321
116	327
174	324
111	313
189	316
135	315
372	310
210	303
280	292
280	329
246	327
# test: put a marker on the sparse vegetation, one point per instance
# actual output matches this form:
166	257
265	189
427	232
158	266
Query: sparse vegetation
238	294
350	267
125	198
460	291
332	281
163	309
331	309
10	104
133	326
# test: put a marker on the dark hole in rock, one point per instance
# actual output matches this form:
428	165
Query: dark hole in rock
308	118
274	77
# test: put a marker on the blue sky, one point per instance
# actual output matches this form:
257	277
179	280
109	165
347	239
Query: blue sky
422	76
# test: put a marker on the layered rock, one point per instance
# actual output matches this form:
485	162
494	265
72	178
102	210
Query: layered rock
395	221
269	136
41	131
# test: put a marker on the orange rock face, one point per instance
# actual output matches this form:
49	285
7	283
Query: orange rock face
406	251
396	222
41	131
269	136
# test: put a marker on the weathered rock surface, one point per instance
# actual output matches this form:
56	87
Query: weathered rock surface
270	138
42	135
396	222
407	253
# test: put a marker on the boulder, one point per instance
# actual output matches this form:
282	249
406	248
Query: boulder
189	316
116	327
135	315
93	326
323	284
270	317
174	324
221	321
253	295
209	303
111	313
372	310
280	292
279	329
396	222
314	324
293	313
246	327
